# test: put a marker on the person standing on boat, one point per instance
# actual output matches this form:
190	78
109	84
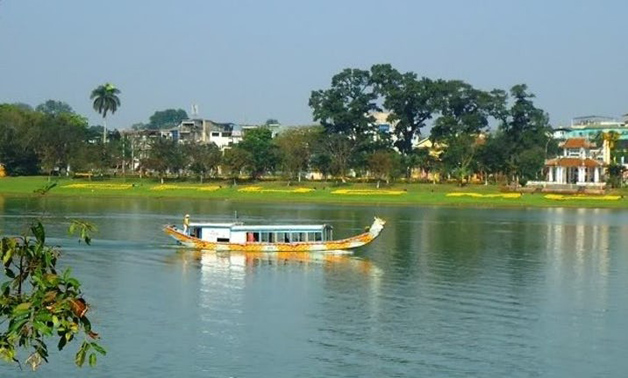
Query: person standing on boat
186	224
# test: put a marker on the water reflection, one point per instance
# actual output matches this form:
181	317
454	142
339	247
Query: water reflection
211	261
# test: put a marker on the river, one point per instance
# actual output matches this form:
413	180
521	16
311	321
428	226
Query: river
447	292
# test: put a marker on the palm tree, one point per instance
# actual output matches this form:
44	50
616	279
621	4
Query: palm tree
105	100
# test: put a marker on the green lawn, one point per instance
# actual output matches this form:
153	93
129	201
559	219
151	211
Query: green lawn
320	192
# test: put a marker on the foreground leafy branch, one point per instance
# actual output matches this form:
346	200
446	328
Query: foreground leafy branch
38	303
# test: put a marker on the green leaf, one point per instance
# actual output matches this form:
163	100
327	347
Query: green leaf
5	288
84	229
38	230
22	307
16	324
79	360
9	273
6	259
62	342
73	282
92	360
67	273
99	349
43	328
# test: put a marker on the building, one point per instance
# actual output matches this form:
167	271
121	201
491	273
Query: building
206	131
581	163
590	126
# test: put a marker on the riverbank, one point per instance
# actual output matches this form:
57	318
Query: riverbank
316	192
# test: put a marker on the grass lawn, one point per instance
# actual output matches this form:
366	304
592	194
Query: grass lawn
319	192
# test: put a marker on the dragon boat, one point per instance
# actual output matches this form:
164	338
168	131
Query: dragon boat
238	236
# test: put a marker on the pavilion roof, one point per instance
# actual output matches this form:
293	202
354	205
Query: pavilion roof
573	162
577	143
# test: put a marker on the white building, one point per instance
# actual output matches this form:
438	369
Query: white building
581	163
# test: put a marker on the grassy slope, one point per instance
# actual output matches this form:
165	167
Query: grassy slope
413	194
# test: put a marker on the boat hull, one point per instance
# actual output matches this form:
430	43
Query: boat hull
332	245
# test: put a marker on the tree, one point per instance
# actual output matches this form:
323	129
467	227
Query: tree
345	109
23	106
105	100
337	150
205	159
166	119
262	151
165	155
235	161
492	155
271	121
464	117
39	302
525	133
321	161
411	102
382	165
295	149
423	159
60	137
53	107
18	139
615	174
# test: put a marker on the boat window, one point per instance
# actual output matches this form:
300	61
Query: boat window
265	237
252	237
298	236
314	236
283	237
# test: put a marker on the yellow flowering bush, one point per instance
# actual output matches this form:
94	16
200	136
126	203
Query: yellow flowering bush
250	189
257	189
479	195
368	192
562	197
99	186
189	187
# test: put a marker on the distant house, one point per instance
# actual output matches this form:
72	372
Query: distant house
581	163
206	131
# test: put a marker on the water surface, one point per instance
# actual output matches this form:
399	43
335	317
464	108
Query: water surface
443	292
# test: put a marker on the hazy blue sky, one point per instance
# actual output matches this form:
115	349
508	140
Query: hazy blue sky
248	60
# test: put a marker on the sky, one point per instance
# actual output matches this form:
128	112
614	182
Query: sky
245	61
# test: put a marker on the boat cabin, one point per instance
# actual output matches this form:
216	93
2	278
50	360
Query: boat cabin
240	233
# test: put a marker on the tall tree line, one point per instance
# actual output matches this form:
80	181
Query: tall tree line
494	133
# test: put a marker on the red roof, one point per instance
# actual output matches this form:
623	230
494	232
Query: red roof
577	143
573	162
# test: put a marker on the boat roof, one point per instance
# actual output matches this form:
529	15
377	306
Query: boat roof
215	225
274	227
281	227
